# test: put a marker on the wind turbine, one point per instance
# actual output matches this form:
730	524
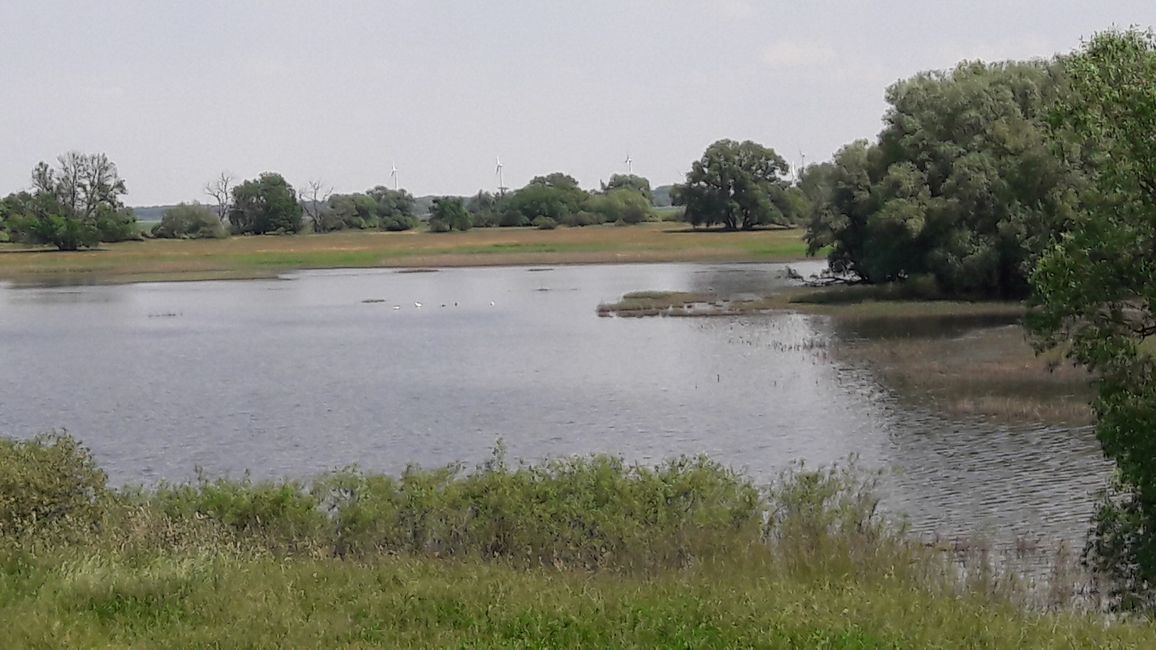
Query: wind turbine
501	179
629	164
393	175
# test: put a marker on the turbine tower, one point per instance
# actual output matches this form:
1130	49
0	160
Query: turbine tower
501	179
629	165
393	175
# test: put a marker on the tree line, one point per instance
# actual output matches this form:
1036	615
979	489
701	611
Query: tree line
736	186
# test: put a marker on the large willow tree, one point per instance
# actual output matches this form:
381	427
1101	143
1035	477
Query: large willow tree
962	183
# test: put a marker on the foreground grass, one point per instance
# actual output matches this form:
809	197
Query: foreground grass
205	600
572	553
257	257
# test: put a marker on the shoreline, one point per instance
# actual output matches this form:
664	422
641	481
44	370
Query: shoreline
258	258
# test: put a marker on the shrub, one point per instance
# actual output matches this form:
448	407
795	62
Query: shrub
544	223
581	218
189	221
49	484
513	219
279	514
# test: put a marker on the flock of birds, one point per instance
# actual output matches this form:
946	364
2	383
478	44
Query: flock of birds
418	305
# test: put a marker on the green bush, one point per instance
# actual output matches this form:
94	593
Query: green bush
544	223
189	221
49	484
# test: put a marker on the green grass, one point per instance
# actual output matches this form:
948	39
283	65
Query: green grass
252	257
205	600
571	553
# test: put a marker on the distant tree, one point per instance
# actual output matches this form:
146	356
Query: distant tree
189	221
736	185
1095	289
220	189
75	205
630	182
265	205
314	199
556	196
624	204
348	211
449	213
395	209
484	209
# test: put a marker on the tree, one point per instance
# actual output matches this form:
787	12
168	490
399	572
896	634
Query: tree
962	184
74	205
349	211
395	209
630	182
219	188
484	209
556	196
449	213
189	221
623	204
737	185
314	199
1095	288
265	205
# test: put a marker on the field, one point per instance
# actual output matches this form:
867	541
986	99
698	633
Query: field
258	257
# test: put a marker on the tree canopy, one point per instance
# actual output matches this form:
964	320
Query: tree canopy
736	185
449	213
265	205
1095	288
962	184
189	221
76	204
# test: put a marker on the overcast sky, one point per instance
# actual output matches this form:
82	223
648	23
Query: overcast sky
176	92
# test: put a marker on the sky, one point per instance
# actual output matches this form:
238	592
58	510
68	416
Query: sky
342	90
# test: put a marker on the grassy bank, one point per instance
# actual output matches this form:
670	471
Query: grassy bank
966	358
254	257
575	553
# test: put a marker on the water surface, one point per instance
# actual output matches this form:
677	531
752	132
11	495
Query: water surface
324	369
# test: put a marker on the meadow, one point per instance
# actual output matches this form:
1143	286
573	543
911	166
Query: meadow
583	552
266	256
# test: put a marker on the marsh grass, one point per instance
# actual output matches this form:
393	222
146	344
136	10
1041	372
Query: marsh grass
966	358
588	552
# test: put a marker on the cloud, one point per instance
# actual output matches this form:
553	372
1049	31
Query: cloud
791	54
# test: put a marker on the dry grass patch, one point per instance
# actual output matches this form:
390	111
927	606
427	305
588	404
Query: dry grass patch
266	256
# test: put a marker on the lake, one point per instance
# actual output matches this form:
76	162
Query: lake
324	369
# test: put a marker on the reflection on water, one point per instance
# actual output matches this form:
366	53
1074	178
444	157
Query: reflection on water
331	368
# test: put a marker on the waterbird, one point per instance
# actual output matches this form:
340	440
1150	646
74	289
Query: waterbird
417	304
491	303
397	306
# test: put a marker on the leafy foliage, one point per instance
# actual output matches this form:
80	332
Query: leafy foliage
963	183
736	185
1095	289
189	221
449	213
49	485
379	207
75	205
265	205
